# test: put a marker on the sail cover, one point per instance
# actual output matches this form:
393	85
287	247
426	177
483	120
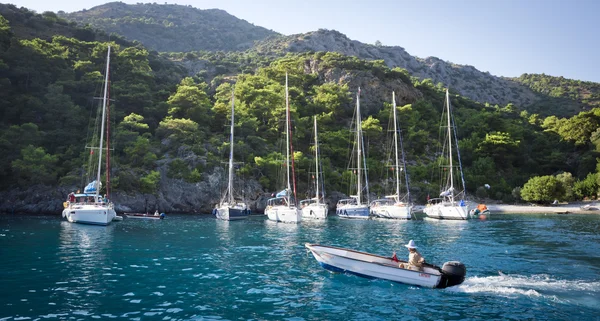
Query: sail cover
91	187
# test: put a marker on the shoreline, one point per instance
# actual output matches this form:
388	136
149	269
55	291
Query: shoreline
534	209
525	209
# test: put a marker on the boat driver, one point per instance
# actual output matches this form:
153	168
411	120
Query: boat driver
415	260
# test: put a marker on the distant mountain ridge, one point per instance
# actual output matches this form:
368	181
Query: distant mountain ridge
467	80
172	27
177	28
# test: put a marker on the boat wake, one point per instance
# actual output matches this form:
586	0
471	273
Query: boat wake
536	286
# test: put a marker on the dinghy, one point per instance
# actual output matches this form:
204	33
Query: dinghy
367	265
147	216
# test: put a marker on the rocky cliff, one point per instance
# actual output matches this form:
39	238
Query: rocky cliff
467	80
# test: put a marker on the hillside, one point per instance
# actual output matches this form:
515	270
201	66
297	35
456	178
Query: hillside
172	27
468	81
171	131
571	95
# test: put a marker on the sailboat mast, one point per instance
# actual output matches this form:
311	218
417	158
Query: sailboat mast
359	147
230	184
287	133
103	121
451	194
316	160
396	148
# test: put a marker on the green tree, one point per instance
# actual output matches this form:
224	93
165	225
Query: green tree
35	166
190	101
542	189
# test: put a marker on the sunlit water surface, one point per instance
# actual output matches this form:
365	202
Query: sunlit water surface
198	268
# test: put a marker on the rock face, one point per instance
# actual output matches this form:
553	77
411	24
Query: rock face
375	91
172	28
468	81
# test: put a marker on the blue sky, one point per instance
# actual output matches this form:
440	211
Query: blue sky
505	37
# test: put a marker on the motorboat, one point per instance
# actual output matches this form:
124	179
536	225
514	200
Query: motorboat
147	216
337	259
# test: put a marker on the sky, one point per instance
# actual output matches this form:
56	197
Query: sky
504	37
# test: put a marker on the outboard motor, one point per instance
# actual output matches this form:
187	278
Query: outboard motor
453	273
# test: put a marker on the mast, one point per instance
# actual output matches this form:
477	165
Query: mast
396	148
287	135
316	160
230	184
359	147
103	121
451	194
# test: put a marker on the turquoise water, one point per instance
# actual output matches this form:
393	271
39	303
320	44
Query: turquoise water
198	268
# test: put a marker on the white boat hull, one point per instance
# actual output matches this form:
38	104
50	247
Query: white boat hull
231	213
314	211
90	214
372	266
447	211
392	212
284	214
353	211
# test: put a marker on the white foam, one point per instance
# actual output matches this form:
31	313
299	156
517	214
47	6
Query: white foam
540	286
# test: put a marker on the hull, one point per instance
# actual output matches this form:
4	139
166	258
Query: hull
314	211
90	214
446	211
393	212
144	216
231	214
284	214
353	211
372	266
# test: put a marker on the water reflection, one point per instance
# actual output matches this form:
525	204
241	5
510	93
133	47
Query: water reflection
83	256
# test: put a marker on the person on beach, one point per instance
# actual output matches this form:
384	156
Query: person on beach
415	260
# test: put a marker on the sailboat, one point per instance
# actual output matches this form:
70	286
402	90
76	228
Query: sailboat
353	207
90	207
395	206
229	209
283	207
314	207
451	203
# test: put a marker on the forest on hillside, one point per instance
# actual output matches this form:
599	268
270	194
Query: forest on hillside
163	118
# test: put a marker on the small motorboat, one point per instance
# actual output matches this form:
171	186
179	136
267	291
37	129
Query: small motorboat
155	216
481	209
367	265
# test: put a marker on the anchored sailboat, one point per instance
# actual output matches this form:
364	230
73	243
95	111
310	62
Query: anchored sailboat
90	207
395	206
451	204
314	207
230	209
354	207
283	207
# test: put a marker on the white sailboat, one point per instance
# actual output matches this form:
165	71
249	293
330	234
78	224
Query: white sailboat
314	208
230	209
353	207
395	206
451	204
90	207
283	207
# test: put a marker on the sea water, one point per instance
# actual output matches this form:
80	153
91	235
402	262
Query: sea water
194	267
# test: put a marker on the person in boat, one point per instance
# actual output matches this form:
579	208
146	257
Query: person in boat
415	260
156	213
72	197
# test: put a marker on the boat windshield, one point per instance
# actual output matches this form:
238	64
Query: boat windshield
382	202
277	201
347	201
